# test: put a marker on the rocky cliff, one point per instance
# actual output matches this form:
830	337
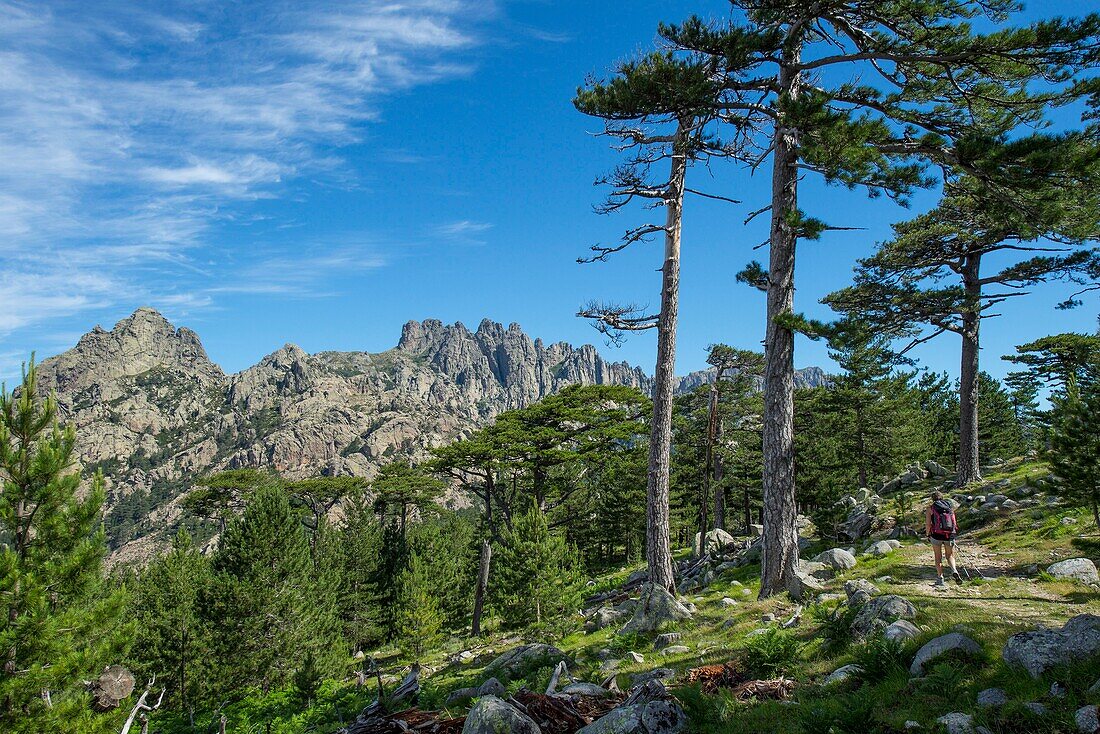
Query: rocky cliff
152	410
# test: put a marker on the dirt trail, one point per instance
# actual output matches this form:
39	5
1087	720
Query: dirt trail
975	562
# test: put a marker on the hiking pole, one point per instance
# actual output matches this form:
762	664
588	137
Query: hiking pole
964	568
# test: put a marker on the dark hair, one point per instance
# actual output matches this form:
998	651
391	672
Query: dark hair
937	496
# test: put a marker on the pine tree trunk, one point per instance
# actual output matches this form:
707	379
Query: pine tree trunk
747	508
969	469
658	552
718	474
482	587
780	541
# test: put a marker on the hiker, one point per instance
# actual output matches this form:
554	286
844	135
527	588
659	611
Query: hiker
941	528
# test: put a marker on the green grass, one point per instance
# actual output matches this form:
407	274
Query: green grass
988	611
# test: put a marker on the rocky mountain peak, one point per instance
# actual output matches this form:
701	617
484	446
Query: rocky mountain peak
141	342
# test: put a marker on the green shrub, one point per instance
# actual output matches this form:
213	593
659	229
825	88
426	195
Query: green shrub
880	657
836	625
771	653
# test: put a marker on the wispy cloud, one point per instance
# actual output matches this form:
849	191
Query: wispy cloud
464	231
130	131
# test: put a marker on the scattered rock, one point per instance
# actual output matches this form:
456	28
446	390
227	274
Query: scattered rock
667	639
819	571
880	612
520	660
1075	569
901	630
952	642
855	587
803	586
635	657
1043	649
655	609
934	468
603	617
491	687
1057	690
1036	708
653	717
883	548
585	689
715	541
676	649
858	523
728	602
837	559
657	674
1087	719
841	675
490	715
955	723
992	698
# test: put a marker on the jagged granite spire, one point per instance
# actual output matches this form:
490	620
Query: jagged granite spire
153	411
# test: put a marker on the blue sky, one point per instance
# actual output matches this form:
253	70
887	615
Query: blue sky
321	172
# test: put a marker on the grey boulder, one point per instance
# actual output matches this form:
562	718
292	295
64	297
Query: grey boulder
1075	569
651	717
957	723
1087	719
837	559
992	698
585	689
656	608
901	630
1043	649
841	675
522	659
953	642
492	716
880	612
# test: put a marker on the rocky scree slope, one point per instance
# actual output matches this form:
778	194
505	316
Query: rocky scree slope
153	411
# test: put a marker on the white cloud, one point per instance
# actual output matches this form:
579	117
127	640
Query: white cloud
130	130
462	230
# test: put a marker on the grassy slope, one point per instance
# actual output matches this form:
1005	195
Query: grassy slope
990	611
1001	547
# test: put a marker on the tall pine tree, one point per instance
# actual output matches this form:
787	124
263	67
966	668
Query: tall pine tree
59	622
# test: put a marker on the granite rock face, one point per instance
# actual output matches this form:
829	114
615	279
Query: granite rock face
153	411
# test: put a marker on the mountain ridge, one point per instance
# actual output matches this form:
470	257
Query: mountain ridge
152	410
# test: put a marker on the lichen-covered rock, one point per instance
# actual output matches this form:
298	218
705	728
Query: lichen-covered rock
715	541
1075	569
491	715
585	689
952	642
656	608
992	698
491	687
652	717
1087	720
1043	649
842	674
520	660
880	612
957	723
901	630
859	590
837	559
802	586
883	548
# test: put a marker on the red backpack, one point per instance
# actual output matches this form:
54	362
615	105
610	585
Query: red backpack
944	525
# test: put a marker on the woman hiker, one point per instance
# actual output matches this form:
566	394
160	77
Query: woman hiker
941	528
